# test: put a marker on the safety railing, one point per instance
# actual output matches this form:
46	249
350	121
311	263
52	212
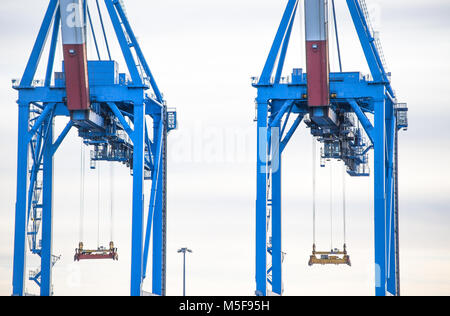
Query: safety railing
401	110
35	83
172	119
375	35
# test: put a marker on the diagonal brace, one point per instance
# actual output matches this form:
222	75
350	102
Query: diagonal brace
368	127
62	136
281	113
275	50
122	120
291	132
40	120
159	146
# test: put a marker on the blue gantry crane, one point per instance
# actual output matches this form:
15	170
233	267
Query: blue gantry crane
337	108
112	112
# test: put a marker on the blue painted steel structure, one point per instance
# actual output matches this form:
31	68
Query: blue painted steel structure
354	99
115	127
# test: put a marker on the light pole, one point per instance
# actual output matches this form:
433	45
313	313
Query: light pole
184	251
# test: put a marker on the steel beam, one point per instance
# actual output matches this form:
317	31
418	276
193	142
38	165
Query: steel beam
124	44
368	127
154	190
47	212
33	62
284	48
21	203
261	201
397	215
279	38
277	255
380	197
279	116
52	52
368	44
291	132
122	120
159	213
138	200
62	136
158	239
391	126
137	48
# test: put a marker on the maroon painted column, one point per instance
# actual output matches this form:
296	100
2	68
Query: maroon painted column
75	54
317	56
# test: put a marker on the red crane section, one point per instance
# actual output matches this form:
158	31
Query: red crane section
75	54
317	56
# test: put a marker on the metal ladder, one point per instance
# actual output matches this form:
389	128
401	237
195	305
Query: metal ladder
35	275
36	187
35	202
375	35
396	215
164	206
269	205
132	45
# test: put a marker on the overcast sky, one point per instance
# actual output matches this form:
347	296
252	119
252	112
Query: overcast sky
203	54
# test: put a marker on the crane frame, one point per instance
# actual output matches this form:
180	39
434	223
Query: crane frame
117	120
351	92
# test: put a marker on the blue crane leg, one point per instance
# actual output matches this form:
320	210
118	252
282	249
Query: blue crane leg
276	213
138	200
392	262
380	200
158	238
153	195
390	218
47	213
21	204
261	202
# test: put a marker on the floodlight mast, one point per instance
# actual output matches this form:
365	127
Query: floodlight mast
184	251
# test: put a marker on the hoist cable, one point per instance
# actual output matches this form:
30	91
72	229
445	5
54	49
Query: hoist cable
337	35
314	158
103	29
93	34
331	204
98	204
344	202
82	191
111	170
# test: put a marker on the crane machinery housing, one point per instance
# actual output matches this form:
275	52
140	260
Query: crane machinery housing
337	108
111	112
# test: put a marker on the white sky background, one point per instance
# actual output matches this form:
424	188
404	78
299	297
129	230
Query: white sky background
203	54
